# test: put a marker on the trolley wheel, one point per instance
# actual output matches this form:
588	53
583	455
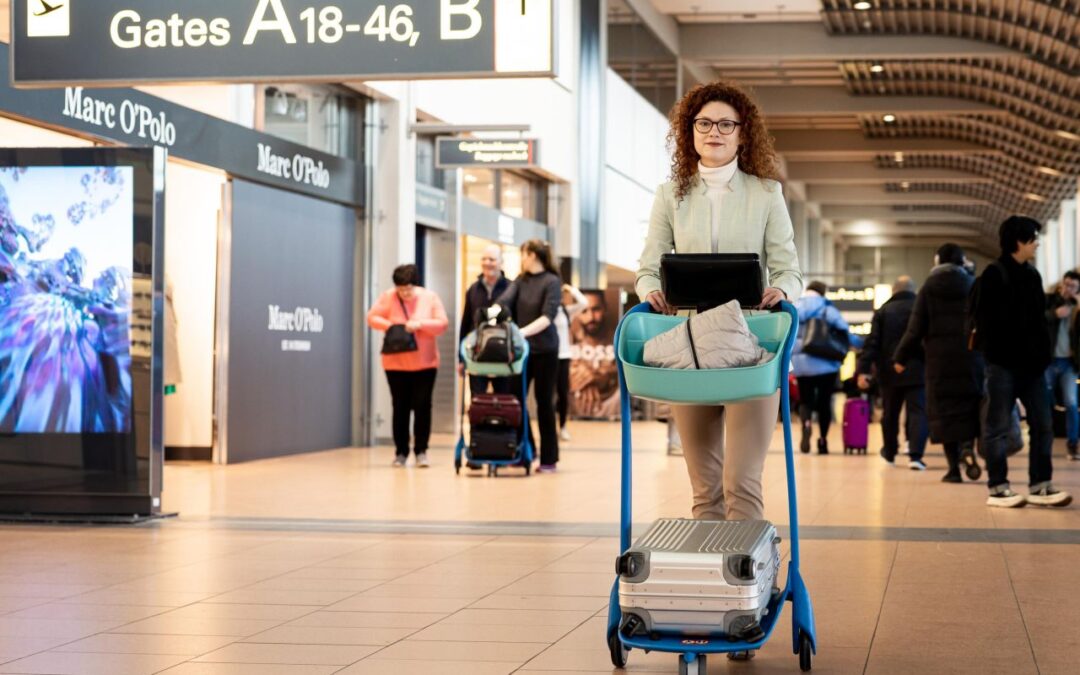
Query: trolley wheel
697	667
619	652
974	472
805	652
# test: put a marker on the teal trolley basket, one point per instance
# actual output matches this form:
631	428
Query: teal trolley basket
776	333
700	387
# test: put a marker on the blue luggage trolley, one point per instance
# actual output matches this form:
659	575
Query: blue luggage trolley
776	332
525	454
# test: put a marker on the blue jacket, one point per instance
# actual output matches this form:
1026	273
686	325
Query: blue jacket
813	306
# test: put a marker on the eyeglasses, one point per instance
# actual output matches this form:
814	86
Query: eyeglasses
725	127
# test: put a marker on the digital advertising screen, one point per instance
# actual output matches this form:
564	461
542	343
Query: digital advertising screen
80	317
66	251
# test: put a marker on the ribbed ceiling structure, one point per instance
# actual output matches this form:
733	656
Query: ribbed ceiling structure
963	107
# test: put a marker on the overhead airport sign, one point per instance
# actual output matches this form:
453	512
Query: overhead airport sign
514	153
103	42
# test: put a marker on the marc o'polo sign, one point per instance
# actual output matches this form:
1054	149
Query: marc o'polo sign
133	117
104	42
510	153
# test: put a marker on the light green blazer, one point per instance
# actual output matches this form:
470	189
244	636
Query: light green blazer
753	219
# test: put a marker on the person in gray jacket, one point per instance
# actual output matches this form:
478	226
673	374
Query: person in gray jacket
724	197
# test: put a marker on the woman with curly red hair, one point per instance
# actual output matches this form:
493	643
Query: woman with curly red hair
724	197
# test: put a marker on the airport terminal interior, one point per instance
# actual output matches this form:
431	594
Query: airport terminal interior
248	252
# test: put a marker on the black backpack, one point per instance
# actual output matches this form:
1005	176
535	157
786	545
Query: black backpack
494	343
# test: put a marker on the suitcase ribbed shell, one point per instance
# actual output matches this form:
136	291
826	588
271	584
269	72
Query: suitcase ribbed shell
704	537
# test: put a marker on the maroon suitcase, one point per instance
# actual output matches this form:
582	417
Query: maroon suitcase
495	410
856	425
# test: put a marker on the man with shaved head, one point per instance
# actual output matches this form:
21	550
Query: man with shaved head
482	294
898	390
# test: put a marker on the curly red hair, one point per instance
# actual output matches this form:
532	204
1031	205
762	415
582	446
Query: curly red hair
756	154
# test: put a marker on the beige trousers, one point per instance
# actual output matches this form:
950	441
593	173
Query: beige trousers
727	483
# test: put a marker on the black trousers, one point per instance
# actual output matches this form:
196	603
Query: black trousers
541	377
562	405
815	396
913	400
410	392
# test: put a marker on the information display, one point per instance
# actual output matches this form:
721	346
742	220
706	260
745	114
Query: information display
121	41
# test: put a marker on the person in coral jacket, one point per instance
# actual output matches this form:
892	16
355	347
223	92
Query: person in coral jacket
410	365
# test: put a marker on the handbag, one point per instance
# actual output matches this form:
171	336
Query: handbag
825	341
398	340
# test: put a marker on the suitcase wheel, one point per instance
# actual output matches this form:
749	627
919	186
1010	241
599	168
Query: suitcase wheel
696	667
806	651
619	652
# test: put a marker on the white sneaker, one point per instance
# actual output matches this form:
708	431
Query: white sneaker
399	462
1006	499
1048	496
564	435
917	465
422	460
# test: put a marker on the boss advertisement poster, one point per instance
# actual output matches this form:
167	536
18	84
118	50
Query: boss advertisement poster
594	377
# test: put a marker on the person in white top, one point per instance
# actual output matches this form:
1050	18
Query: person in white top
573	302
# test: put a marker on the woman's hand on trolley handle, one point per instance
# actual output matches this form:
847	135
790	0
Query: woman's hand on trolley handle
771	298
659	303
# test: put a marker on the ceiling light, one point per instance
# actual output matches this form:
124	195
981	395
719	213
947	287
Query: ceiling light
469	178
888	119
898	156
905	185
1049	172
877	68
1034	197
1067	134
863	6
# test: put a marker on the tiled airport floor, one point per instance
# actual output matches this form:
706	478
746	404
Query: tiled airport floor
337	563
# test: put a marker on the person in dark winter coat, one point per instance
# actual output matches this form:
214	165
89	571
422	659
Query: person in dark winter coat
1011	331
954	374
899	391
482	294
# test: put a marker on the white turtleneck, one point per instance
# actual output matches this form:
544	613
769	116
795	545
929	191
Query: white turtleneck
718	183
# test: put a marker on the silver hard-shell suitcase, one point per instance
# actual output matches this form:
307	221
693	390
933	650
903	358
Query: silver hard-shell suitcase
699	577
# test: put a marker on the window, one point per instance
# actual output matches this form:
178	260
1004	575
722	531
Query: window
479	186
324	118
516	194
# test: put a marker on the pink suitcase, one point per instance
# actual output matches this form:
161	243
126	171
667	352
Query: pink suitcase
856	426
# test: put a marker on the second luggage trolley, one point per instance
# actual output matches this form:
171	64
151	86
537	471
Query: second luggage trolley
776	333
525	454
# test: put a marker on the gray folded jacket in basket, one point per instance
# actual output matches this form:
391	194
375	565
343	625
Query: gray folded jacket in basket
718	338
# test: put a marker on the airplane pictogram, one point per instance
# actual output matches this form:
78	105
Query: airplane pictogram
48	9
